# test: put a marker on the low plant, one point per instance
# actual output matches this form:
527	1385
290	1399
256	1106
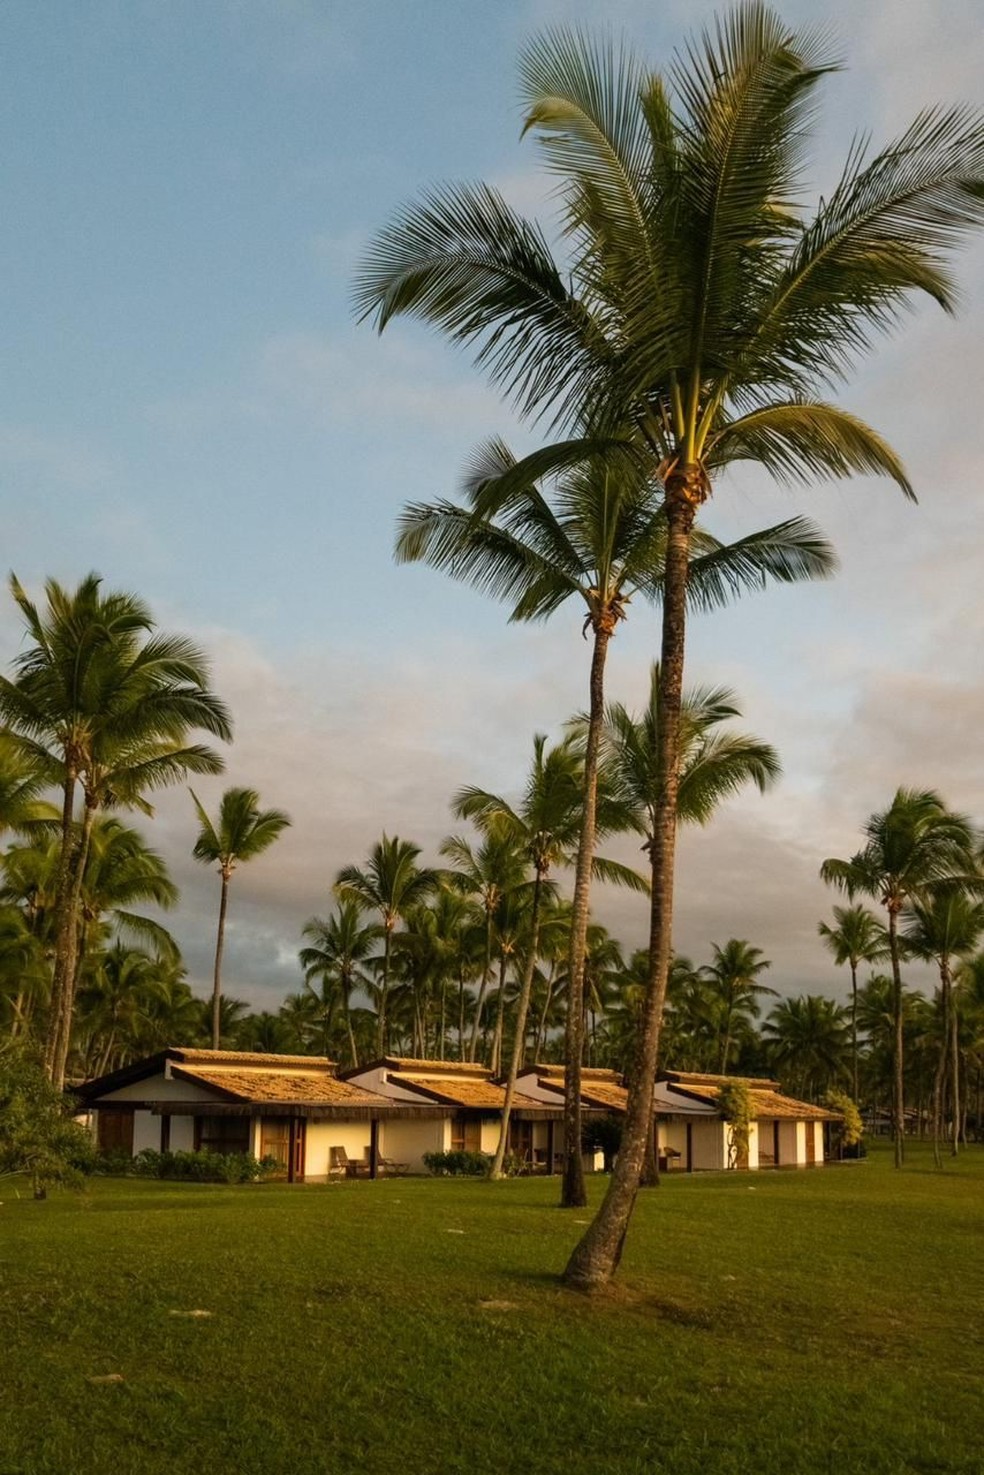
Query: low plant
849	1131
457	1164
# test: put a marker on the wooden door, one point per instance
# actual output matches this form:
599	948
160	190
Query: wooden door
298	1148
275	1142
115	1131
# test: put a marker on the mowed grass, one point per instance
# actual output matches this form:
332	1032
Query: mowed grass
826	1321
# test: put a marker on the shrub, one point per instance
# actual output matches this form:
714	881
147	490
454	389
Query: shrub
197	1167
848	1132
456	1164
735	1101
37	1134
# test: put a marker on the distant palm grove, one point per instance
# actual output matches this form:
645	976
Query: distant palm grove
701	314
448	959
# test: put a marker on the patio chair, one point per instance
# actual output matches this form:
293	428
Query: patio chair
388	1165
339	1163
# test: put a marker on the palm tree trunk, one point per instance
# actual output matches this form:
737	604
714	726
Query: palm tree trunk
486	975
66	1011
217	973
495	1060
383	991
854	1028
66	921
519	1038
353	1048
574	1194
954	1068
597	1254
898	1044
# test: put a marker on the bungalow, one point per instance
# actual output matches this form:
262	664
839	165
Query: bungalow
472	1105
292	1108
783	1133
691	1131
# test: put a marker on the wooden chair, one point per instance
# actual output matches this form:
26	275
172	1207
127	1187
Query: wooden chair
340	1164
388	1165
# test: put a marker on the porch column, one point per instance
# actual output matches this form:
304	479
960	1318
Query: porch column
690	1147
374	1148
551	1134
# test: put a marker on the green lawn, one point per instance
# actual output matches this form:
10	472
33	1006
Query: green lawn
793	1322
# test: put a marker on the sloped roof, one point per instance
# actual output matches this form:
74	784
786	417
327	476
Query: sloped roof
250	1058
289	1087
468	1093
599	1088
766	1099
404	1063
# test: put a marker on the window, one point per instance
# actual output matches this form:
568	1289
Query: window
115	1131
222	1133
466	1133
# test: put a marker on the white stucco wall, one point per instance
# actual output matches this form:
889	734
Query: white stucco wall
818	1140
146	1132
159	1088
182	1134
322	1136
407	1141
753	1146
788	1154
709	1146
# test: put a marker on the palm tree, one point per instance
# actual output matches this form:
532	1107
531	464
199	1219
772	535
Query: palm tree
488	872
732	979
713	766
910	847
548	827
336	949
106	702
946	926
807	1039
390	883
698	319
241	832
598	537
856	937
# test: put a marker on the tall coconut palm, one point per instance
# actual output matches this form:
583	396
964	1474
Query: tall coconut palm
336	949
107	702
732	978
700	316
488	872
856	937
598	536
548	826
945	928
390	882
806	1039
241	832
910	847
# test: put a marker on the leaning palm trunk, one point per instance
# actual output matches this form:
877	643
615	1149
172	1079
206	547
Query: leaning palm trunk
954	1033
66	924
898	1107
65	1015
483	986
597	1254
573	1192
519	1040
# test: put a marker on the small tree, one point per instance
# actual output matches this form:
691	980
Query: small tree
735	1102
37	1134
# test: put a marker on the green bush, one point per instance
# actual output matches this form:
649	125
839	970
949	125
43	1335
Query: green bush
37	1134
457	1164
187	1167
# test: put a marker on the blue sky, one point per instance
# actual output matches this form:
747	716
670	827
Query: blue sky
189	407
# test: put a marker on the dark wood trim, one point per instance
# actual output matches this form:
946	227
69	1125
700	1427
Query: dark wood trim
775	1142
551	1146
165	1134
374	1148
690	1147
296	1148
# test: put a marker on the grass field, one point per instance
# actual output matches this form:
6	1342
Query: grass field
795	1322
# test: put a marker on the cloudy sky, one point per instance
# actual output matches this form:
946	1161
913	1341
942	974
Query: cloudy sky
189	408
